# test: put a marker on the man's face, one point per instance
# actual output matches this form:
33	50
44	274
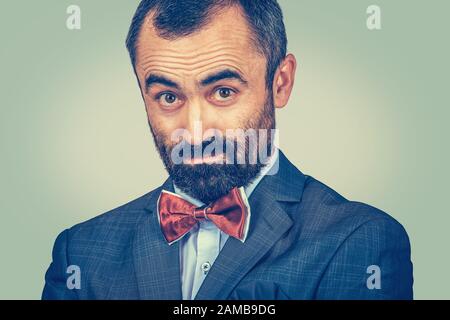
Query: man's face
213	79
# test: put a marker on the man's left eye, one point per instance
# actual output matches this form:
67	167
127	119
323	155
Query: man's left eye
222	94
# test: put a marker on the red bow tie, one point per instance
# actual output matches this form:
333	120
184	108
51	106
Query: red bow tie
177	216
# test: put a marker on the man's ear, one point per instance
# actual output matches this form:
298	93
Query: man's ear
283	81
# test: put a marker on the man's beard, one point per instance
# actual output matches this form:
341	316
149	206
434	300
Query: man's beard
208	182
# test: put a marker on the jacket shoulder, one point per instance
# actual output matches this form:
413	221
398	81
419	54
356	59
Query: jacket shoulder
120	219
324	209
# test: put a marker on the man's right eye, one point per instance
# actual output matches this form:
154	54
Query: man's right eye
167	99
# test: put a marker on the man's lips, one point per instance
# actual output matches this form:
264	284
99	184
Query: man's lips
205	160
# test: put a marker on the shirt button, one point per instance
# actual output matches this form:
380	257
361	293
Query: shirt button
205	267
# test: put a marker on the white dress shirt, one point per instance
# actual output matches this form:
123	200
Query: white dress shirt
200	247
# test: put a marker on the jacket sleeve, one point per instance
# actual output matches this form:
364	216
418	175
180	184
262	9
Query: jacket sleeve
372	263
56	276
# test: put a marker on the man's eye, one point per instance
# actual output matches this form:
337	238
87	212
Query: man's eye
167	99
223	94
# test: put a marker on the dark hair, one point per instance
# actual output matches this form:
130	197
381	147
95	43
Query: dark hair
178	18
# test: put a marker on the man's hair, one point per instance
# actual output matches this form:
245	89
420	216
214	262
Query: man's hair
178	18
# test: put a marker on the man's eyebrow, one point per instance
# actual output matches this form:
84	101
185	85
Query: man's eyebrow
224	74
157	79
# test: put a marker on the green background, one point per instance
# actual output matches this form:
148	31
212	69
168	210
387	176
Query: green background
368	117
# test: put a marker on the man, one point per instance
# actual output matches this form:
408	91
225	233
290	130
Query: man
221	229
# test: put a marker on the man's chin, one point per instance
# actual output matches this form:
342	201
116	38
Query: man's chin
208	182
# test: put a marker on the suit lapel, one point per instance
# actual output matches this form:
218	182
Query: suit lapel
157	265
268	223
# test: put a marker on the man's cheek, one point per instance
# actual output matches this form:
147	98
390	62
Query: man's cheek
241	118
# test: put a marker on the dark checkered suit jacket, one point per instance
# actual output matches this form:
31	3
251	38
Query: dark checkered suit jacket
305	242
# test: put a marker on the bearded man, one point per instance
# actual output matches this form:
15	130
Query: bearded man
235	219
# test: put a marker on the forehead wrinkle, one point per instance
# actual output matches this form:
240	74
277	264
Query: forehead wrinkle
187	57
181	64
189	65
146	54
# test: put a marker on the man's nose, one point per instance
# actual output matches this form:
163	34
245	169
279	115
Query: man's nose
198	121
